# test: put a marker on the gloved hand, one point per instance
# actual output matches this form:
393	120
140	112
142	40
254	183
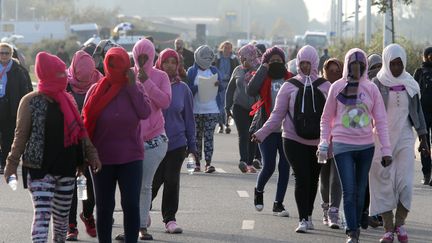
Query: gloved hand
322	152
423	147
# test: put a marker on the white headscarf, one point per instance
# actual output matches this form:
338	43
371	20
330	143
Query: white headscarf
385	76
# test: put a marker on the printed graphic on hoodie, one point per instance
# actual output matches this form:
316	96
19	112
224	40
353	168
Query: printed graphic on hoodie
356	116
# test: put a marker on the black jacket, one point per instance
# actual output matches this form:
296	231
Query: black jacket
18	85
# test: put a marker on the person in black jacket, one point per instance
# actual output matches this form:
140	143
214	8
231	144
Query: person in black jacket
14	84
423	75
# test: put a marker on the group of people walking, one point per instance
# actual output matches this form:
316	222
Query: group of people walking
133	124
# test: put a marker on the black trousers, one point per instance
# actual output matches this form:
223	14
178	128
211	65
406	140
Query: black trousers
426	160
7	129
243	121
304	162
88	205
168	174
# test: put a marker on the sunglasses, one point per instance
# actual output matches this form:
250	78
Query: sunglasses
5	53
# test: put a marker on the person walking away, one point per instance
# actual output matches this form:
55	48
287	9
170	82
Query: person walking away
322	60
180	129
14	84
303	94
266	83
50	156
330	187
206	109
240	103
353	105
82	74
226	62
423	75
391	185
112	112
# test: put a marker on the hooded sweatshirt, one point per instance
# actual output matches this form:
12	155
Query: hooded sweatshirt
353	124
158	89
285	100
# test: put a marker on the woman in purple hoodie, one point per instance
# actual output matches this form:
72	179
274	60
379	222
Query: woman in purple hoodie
180	129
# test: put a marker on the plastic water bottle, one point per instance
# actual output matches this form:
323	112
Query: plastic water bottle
81	187
190	164
12	182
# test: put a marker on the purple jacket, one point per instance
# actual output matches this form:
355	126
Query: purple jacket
179	119
117	136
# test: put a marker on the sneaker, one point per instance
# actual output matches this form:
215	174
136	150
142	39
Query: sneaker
72	233
302	227
221	130
352	237
172	227
309	223
325	213
227	130
251	169
388	237
259	200
209	169
279	210
197	167
257	164
120	237
144	235
89	225
333	218
426	179
402	234
243	166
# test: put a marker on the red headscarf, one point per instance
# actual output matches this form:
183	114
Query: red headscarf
51	73
163	56
116	65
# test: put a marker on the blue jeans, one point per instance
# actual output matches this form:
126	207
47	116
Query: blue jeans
353	168
269	148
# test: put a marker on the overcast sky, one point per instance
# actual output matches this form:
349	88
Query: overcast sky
320	9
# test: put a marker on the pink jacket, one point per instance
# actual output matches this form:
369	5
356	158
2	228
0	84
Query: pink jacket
158	89
336	117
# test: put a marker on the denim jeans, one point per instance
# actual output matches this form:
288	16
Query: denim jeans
353	168
270	147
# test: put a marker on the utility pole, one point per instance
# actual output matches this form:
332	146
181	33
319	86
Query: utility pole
16	10
356	21
368	26
388	25
339	20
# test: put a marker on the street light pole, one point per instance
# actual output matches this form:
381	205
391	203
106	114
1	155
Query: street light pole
16	9
356	21
368	26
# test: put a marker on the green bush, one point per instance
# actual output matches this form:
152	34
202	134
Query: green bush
414	51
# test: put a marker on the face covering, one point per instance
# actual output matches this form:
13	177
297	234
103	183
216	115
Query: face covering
276	70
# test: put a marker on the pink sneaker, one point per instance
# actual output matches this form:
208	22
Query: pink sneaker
388	237
172	227
402	234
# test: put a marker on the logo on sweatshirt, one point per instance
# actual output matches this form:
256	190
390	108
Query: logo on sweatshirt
356	116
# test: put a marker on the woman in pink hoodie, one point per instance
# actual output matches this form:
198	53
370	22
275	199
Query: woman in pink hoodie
158	87
353	102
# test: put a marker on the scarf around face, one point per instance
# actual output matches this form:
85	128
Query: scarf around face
385	76
82	73
116	65
51	74
204	57
163	56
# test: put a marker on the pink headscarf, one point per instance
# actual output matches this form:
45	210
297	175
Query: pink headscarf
163	56
51	73
307	54
249	52
82	73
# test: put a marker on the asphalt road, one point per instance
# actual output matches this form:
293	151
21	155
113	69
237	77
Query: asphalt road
219	207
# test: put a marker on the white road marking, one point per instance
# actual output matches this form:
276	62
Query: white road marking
219	170
248	224
243	193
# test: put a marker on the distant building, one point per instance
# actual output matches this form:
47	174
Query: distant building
34	31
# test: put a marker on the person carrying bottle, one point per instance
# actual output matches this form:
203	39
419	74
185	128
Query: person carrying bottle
51	156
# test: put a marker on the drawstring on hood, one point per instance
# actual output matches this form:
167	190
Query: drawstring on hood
307	54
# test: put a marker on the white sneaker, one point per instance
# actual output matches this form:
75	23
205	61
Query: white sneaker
333	216
309	223
302	227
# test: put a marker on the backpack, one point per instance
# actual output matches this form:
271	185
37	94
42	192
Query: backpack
425	82
306	117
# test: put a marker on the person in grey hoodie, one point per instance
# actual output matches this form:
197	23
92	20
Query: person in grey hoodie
237	100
